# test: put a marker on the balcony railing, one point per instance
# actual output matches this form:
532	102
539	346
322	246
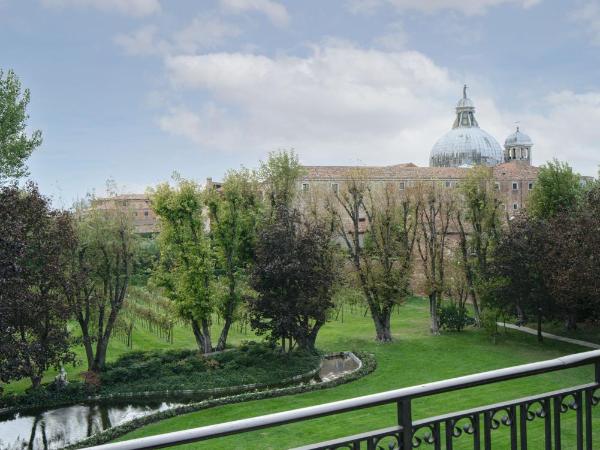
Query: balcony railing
476	424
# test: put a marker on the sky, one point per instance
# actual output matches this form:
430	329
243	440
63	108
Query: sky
134	90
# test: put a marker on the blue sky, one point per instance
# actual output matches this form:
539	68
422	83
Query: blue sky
132	90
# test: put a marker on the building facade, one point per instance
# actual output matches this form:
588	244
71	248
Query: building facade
137	205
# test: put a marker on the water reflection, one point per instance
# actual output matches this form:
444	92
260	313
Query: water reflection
45	430
56	428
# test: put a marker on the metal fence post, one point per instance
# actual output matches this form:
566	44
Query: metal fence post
405	421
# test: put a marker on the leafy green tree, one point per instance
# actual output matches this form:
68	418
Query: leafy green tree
279	177
187	258
33	312
234	216
477	219
99	266
294	275
378	228
437	208
15	145
557	189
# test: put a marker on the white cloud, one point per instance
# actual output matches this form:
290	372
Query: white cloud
567	129
335	105
276	12
588	14
202	33
342	105
136	8
468	7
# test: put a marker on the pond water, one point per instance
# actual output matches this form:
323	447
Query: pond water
48	429
337	366
56	428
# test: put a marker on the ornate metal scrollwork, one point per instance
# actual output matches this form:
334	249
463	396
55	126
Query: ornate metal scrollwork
468	427
429	436
539	412
506	419
595	397
565	406
387	442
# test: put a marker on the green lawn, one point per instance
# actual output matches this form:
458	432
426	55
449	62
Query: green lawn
415	357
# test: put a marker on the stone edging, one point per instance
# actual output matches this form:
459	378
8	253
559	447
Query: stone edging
367	365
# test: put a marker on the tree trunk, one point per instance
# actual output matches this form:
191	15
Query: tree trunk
202	335
433	313
540	337
382	326
36	380
100	358
87	345
570	322
221	344
476	310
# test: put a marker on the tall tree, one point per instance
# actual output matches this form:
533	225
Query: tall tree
294	274
15	145
33	312
382	260
477	221
233	214
438	206
99	268
280	176
572	260
187	259
556	189
520	271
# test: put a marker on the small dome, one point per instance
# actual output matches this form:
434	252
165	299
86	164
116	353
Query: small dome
518	138
466	146
465	103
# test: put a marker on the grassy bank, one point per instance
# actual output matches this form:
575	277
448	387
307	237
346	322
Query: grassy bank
415	357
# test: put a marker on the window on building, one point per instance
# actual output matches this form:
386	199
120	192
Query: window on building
530	185
448	184
335	187
401	185
496	186
515	186
515	206
305	187
146	213
362	219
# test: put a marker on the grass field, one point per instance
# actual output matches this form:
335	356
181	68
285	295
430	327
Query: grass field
413	358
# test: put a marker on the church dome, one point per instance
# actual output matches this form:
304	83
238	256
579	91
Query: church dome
518	138
466	144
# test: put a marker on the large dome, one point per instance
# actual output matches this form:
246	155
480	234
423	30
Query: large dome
466	144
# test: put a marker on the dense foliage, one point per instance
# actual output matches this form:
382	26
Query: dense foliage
15	145
33	313
294	276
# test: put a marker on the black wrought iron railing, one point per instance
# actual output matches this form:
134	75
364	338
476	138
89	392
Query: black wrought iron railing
444	431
